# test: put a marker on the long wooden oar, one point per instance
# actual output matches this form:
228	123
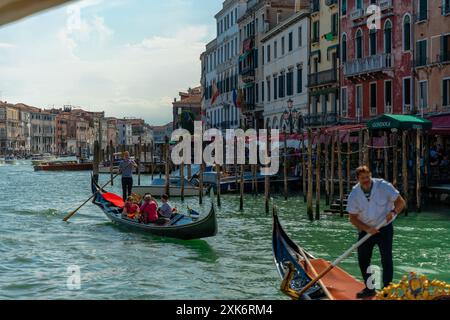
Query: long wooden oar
313	270
341	258
70	215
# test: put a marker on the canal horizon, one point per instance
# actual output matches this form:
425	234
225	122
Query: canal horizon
36	247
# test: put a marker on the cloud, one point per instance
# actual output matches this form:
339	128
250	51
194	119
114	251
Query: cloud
4	45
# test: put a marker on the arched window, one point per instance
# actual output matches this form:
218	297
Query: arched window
407	33
344	48
388	37
373	41
358	44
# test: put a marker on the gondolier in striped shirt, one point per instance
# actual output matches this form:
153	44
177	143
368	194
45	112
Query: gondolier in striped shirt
371	202
126	169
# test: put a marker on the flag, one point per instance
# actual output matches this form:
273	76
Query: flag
216	92
240	99
235	98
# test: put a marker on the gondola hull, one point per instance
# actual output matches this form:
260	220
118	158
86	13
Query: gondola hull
181	226
296	274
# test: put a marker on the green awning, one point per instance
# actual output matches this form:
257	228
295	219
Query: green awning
245	55
398	121
249	85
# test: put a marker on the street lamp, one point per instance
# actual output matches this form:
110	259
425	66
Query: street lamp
290	104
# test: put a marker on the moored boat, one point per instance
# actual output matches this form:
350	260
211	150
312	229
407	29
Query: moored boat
295	266
11	160
158	187
185	227
64	166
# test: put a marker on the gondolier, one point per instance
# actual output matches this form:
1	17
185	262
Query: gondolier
126	170
371	202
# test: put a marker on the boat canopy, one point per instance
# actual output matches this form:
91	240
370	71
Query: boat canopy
399	121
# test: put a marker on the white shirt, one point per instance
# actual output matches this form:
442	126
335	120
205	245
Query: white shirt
374	211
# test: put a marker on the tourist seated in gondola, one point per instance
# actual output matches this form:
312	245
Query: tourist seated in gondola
165	211
149	211
131	210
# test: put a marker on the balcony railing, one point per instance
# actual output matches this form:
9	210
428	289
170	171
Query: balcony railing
385	5
422	16
370	64
322	78
421	62
357	14
248	71
320	119
331	2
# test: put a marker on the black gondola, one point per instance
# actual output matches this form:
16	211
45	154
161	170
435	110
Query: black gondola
181	226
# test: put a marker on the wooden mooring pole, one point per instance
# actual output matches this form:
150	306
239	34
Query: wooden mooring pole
327	167
167	168
304	191
241	189
332	171
285	169
341	180
111	162
418	173
218	185
267	177
318	157
386	156
182	180
310	178
200	196
405	168
395	159
349	159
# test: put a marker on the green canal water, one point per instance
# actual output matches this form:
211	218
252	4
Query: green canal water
36	247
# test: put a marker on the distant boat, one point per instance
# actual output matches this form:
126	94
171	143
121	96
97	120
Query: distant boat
185	227
11	160
38	159
64	166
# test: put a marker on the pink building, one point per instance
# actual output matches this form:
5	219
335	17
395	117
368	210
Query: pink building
376	64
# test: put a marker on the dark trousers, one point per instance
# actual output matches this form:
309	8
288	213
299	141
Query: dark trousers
127	187
384	241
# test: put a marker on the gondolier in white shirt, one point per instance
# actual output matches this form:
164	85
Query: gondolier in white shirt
370	203
126	167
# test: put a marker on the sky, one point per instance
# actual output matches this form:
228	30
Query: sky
129	58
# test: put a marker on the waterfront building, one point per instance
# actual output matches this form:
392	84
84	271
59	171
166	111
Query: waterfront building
125	132
9	129
432	56
376	63
112	133
159	137
260	17
323	75
285	73
188	109
220	73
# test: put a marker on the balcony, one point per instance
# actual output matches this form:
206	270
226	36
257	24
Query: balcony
331	3
248	74
357	14
422	16
376	63
385	5
322	78
422	62
320	119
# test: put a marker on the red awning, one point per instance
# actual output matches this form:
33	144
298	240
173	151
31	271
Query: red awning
441	124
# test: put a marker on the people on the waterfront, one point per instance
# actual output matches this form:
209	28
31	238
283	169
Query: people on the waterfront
165	211
131	210
126	169
371	202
